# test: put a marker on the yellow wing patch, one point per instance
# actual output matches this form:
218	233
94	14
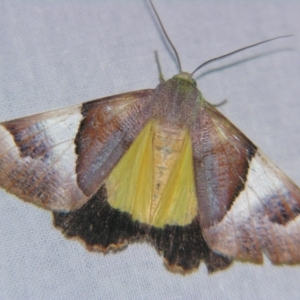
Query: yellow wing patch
154	180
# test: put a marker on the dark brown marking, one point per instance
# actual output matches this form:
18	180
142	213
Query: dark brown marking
279	211
107	130
29	138
102	227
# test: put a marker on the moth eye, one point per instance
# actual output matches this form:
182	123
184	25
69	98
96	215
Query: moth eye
194	82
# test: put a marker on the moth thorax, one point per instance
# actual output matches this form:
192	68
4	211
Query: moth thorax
176	101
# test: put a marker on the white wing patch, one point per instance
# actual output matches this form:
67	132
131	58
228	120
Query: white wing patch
264	217
46	174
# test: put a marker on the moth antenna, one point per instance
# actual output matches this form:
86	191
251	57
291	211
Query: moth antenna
239	50
166	35
161	76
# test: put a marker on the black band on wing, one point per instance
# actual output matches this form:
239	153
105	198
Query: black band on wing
103	227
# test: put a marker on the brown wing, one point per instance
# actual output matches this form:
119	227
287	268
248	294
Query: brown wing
58	159
246	204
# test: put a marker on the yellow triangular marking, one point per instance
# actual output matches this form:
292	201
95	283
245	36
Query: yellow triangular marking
154	180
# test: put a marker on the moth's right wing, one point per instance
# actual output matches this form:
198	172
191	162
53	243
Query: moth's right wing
247	206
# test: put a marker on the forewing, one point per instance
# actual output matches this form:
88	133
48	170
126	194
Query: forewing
58	159
246	204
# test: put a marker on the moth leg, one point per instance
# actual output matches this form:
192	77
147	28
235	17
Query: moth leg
220	103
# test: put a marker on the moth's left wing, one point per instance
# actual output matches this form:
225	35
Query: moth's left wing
59	159
246	204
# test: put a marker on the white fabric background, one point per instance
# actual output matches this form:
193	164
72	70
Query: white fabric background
58	53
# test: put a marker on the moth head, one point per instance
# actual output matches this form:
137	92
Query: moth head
187	77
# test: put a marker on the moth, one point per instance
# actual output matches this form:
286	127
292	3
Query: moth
158	165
